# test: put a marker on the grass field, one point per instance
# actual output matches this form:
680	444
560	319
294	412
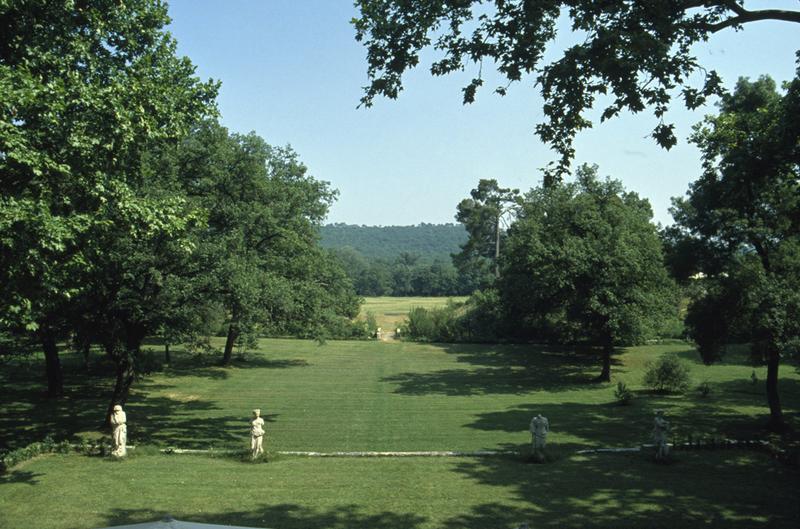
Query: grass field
390	312
400	396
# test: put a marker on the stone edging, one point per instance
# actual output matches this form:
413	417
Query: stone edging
420	453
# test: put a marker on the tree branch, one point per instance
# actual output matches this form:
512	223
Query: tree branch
744	16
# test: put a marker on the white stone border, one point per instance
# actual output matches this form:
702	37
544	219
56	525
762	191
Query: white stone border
464	453
419	453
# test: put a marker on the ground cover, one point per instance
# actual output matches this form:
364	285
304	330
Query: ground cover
731	489
390	312
394	396
398	396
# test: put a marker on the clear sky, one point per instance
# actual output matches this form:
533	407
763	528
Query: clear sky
292	72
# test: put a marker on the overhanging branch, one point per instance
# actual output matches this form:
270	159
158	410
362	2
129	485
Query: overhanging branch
743	17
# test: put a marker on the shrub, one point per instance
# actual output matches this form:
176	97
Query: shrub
47	446
704	388
623	395
667	374
438	324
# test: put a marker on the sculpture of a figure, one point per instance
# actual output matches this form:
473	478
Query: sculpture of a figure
660	435
256	434
540	426
119	434
378	333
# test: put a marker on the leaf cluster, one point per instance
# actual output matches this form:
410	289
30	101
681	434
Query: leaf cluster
629	55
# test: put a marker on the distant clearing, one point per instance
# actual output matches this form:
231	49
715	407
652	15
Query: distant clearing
390	312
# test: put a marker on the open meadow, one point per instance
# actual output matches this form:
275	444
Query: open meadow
390	311
399	396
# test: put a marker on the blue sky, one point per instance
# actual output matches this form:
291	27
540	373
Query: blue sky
292	72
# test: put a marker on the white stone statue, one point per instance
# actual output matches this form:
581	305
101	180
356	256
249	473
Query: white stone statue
540	426
119	434
378	333
660	435
256	434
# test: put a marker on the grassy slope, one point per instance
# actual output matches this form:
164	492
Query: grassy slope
400	396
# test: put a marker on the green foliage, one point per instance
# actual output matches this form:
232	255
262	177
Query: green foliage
85	92
631	55
407	275
743	211
704	389
20	455
667	374
485	215
583	263
436	324
623	395
483	320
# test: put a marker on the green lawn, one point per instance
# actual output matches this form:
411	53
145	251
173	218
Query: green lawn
400	396
730	489
390	312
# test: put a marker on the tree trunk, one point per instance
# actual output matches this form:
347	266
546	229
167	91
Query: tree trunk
125	367
497	248
605	374
86	353
55	378
233	333
167	357
122	385
776	422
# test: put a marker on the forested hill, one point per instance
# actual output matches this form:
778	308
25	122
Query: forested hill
429	241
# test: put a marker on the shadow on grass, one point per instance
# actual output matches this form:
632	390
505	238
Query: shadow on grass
737	490
732	490
283	516
20	476
504	369
614	426
27	415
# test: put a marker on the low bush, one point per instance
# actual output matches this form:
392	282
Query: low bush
623	395
667	375
20	455
438	324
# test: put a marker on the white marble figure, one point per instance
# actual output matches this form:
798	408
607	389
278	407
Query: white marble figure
378	333
256	434
119	434
540	426
660	434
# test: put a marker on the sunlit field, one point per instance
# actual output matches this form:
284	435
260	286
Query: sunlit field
370	396
390	312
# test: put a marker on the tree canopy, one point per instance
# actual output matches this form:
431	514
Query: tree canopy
745	210
486	216
88	87
583	264
635	55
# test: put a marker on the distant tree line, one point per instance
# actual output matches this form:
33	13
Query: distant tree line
430	242
403	260
406	275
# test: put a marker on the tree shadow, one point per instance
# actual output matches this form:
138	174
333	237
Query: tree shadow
503	369
208	366
282	516
629	490
20	476
27	415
